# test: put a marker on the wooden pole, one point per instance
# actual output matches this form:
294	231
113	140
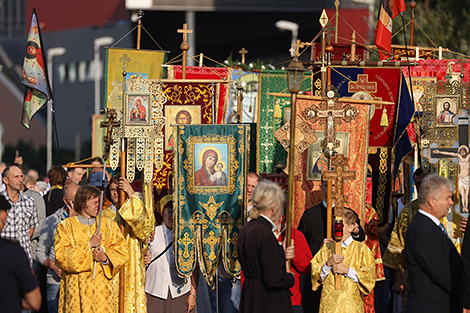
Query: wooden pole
121	226
290	179
139	30
353	46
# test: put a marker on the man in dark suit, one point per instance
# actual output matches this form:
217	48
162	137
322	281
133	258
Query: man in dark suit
433	263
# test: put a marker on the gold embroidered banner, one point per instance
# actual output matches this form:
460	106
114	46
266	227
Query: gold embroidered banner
353	138
209	167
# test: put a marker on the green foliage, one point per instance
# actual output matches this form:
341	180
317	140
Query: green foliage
444	23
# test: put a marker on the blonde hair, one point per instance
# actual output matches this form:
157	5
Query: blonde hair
264	196
349	216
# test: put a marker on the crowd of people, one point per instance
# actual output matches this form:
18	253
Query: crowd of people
64	246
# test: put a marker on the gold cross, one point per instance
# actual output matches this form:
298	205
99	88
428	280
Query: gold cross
297	46
243	52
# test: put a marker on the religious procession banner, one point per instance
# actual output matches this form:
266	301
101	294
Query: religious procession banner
273	112
34	78
187	103
209	169
124	64
352	138
204	72
387	124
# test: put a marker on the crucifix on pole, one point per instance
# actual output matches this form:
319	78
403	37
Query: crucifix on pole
184	45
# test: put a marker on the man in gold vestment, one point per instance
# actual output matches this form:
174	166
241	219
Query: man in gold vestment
78	246
356	266
139	221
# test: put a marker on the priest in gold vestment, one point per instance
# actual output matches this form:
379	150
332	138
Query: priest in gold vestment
78	246
139	221
356	266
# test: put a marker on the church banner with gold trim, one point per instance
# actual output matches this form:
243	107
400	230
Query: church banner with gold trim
124	64
187	103
209	169
273	112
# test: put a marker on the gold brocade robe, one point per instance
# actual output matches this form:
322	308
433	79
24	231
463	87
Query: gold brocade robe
78	291
139	221
350	298
394	256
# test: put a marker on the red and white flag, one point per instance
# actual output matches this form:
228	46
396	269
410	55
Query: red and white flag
389	9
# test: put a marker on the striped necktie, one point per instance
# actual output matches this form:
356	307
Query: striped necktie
443	229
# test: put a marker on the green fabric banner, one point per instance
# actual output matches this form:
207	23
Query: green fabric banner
209	167
273	112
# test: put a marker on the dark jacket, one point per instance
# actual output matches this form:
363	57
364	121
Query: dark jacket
266	285
434	268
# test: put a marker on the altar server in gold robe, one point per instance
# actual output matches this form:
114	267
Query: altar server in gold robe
139	221
356	266
77	246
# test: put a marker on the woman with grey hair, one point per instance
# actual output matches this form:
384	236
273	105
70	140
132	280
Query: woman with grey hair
267	275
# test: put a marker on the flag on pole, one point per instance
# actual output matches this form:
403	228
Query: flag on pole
34	78
388	10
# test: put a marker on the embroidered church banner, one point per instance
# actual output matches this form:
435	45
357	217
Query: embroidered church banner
273	112
353	138
438	69
144	64
210	167
204	72
379	84
188	103
372	84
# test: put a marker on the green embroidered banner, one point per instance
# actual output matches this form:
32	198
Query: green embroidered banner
273	112
209	167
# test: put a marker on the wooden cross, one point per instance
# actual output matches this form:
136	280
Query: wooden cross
185	46
338	176
243	52
109	124
185	31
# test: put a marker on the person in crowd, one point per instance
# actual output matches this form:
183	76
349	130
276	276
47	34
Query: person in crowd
300	263
54	197
252	180
267	274
432	261
23	216
33	174
394	256
166	291
356	265
88	258
75	175
19	287
45	250
139	221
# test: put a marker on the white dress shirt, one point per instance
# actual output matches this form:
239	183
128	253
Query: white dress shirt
162	274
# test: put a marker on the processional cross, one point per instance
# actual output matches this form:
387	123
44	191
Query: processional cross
109	124
339	162
184	45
